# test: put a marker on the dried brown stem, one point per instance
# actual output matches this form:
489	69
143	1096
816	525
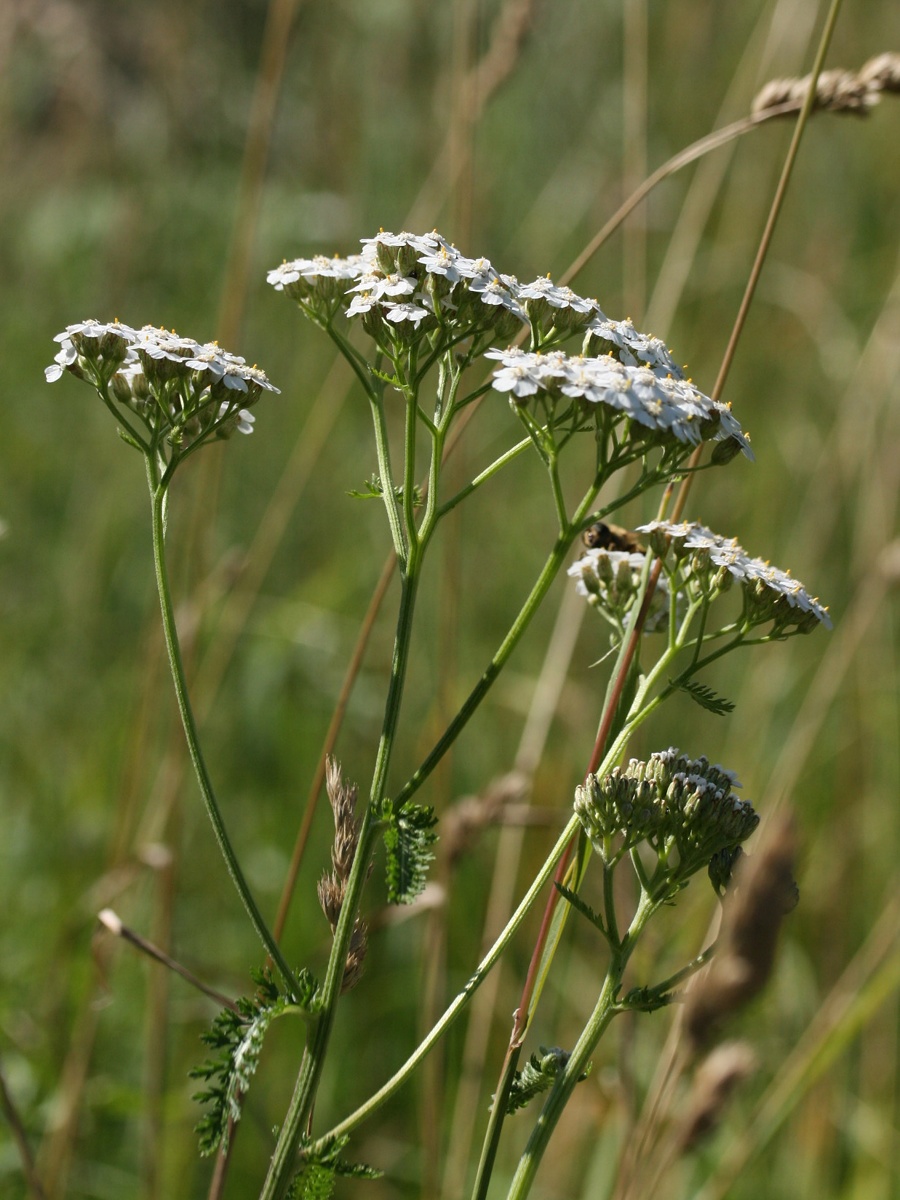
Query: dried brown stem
114	924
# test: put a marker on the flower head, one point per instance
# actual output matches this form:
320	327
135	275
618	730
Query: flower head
624	342
672	409
183	391
402	284
684	808
714	563
319	283
91	350
551	306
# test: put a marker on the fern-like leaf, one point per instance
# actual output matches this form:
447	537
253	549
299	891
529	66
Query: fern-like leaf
236	1035
536	1076
707	698
579	905
314	1182
374	490
317	1176
408	838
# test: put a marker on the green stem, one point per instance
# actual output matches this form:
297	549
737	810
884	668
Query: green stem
579	1060
284	1158
495	1122
387	478
173	648
485	475
283	1164
668	985
548	573
460	1001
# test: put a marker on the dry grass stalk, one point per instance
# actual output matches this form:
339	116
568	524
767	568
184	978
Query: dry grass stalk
765	891
469	816
715	1080
20	1137
854	92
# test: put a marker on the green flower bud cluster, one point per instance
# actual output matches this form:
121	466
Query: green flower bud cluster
615	807
682	807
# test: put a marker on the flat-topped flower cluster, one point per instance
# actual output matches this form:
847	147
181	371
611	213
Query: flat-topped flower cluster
405	287
712	563
668	406
408	283
183	390
698	565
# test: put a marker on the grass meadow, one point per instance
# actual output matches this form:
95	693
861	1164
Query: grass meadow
156	158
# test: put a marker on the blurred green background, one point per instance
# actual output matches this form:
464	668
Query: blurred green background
126	130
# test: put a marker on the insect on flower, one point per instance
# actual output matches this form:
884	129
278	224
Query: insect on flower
603	536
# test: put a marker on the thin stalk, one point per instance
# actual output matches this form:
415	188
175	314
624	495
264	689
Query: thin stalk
548	573
579	1060
521	1016
461	1000
495	1121
778	200
486	474
554	917
409	472
712	141
382	448
16	1124
173	649
283	1162
330	741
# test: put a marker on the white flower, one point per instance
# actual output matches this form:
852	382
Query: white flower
395	313
610	581
96	346
764	585
444	261
498	291
380	285
665	405
63	359
318	267
547	302
244	420
392	252
634	348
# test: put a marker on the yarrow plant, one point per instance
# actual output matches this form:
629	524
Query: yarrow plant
430	333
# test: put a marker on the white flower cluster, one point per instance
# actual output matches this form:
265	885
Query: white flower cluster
610	581
630	346
406	277
184	377
772	594
668	406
